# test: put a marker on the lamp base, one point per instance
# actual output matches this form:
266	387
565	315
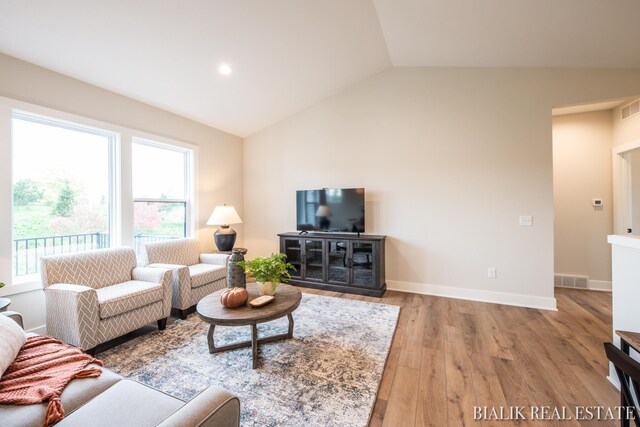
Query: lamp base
225	238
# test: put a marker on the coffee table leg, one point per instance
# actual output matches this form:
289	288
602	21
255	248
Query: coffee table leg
254	345
290	334
212	346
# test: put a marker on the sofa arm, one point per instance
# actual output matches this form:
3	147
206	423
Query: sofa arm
15	316
215	406
166	266
181	283
151	274
73	314
215	259
163	276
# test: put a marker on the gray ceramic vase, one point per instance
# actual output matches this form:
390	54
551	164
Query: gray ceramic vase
235	274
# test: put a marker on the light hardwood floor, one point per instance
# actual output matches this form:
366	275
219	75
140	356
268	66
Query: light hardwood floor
449	355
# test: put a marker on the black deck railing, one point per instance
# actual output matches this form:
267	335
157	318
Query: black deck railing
28	251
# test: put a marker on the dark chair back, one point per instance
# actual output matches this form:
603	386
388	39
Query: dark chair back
628	371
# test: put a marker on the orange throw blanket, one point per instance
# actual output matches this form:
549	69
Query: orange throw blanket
41	370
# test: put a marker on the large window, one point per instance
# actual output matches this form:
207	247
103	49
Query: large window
161	191
71	186
62	189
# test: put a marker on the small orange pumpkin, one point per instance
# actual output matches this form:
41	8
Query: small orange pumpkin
234	297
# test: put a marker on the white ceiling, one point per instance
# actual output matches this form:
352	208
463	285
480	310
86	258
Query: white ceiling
285	54
289	54
512	33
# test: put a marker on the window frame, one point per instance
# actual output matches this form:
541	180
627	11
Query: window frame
121	221
188	153
112	190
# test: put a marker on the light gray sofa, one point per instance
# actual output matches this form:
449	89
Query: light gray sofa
195	275
110	400
95	296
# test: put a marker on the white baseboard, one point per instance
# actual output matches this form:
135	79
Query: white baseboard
519	300
600	285
40	330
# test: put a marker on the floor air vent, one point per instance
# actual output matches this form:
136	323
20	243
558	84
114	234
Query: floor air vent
631	109
571	281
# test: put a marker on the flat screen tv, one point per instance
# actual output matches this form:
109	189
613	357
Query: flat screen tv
330	210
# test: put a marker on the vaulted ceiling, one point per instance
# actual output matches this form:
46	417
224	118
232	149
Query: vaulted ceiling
286	55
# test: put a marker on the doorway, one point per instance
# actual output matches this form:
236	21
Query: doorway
589	188
626	183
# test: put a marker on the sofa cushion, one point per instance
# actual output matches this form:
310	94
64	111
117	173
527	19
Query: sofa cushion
127	296
201	274
75	394
179	251
127	403
12	338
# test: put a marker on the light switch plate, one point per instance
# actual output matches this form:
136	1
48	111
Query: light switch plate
526	220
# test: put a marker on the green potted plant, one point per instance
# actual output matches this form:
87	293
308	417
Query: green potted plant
1	284
268	272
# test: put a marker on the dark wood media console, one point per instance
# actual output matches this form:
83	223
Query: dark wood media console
336	262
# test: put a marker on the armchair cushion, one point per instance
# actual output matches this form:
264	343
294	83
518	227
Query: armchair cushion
201	274
127	296
154	275
95	269
216	259
12	338
166	266
179	251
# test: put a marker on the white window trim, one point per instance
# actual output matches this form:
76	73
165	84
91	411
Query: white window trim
113	189
189	182
121	180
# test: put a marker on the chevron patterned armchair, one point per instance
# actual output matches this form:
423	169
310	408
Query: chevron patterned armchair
195	275
93	297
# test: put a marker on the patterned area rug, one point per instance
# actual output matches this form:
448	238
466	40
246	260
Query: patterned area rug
327	375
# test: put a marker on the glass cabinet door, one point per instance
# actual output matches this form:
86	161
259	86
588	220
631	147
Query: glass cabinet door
314	269
361	264
338	261
293	251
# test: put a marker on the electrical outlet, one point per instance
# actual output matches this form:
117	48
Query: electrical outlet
491	272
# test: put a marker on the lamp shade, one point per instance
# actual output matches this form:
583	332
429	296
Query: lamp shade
323	210
224	215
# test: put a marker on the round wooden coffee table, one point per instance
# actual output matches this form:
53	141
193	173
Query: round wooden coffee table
211	311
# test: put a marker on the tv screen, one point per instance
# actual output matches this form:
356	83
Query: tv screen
330	210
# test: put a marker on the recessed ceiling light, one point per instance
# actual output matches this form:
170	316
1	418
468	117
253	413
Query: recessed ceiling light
224	69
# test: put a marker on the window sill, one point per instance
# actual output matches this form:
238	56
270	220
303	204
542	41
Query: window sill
19	287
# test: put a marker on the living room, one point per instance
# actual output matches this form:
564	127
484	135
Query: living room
441	111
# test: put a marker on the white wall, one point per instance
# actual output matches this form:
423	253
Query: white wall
634	162
625	291
625	131
449	158
582	166
219	176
